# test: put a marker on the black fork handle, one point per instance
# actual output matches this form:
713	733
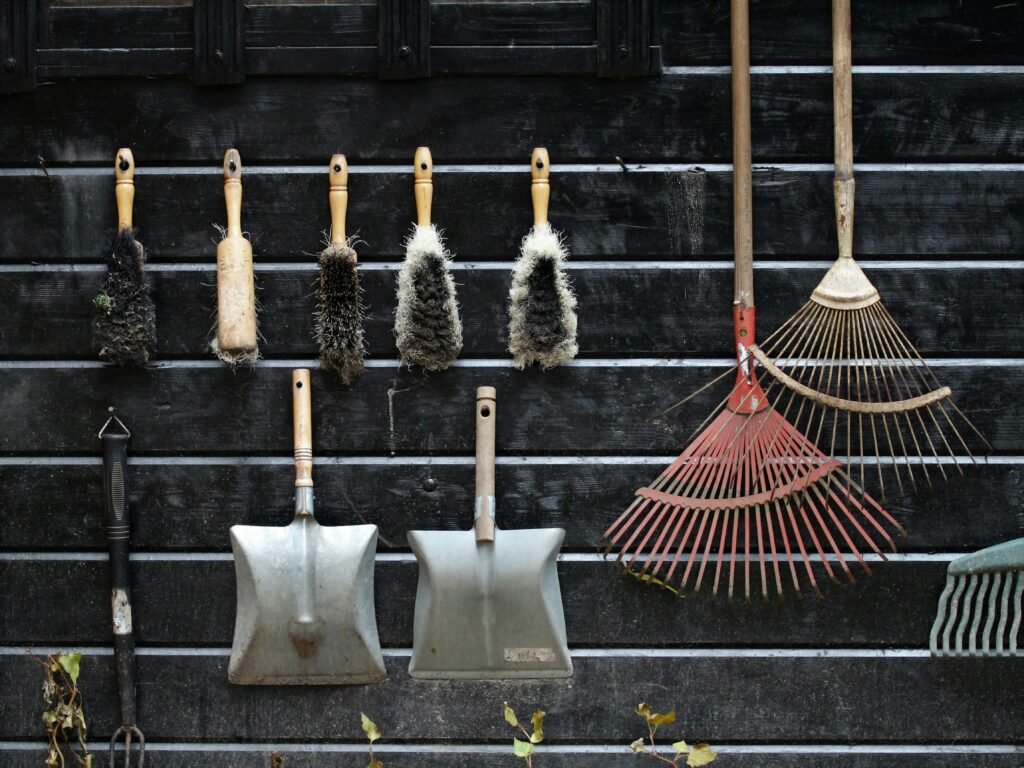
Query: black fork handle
115	486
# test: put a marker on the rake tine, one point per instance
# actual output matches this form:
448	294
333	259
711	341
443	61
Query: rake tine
789	553
993	599
803	550
1017	602
954	610
721	552
940	619
1004	612
707	551
972	587
979	610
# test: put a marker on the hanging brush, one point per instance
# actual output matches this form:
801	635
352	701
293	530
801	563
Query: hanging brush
542	307
236	339
427	325
339	305
867	390
124	328
984	594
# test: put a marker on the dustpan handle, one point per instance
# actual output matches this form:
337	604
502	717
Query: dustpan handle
742	201
842	116
486	417
302	416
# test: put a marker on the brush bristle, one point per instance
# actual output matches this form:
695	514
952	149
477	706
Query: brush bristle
124	328
428	330
339	313
542	306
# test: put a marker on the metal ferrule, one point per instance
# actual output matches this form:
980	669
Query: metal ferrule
303	502
485	505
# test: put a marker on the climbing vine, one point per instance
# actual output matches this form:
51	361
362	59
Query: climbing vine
64	717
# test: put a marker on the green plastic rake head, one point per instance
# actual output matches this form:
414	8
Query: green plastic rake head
980	610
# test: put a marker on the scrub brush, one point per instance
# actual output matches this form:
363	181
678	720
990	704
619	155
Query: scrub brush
427	325
124	328
542	307
339	305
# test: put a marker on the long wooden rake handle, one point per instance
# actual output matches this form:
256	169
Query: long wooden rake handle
124	187
338	197
486	417
743	217
842	118
423	186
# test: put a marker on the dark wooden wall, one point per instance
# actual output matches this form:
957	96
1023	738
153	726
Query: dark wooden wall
846	681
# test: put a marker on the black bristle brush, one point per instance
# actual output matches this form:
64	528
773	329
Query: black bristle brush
339	302
124	327
542	306
428	329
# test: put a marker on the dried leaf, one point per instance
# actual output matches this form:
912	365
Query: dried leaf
510	715
637	746
538	726
522	748
370	728
681	747
644	710
701	754
71	663
658	720
375	764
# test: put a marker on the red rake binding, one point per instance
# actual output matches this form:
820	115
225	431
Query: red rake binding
750	489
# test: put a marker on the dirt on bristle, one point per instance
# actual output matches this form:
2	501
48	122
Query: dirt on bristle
124	327
430	334
339	313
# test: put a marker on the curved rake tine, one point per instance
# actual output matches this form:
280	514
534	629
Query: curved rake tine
126	734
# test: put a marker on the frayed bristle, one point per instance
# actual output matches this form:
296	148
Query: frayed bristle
244	358
124	328
339	313
542	306
428	330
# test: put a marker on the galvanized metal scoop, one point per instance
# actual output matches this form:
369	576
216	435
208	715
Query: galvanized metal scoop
488	605
305	593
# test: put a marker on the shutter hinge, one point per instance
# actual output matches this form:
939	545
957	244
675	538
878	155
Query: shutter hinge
403	39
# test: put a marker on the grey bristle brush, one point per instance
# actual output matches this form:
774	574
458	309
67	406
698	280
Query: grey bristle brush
428	330
542	306
339	305
124	328
980	609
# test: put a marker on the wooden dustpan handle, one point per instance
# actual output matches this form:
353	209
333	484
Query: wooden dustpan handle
485	430
302	415
742	206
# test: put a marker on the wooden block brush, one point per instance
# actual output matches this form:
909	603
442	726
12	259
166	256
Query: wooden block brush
236	341
428	330
542	306
339	305
124	328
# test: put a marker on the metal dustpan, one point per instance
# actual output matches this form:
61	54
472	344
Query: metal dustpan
305	592
488	604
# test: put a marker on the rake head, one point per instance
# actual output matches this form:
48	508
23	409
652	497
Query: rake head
755	500
980	609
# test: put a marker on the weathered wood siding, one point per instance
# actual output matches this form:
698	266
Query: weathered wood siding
846	681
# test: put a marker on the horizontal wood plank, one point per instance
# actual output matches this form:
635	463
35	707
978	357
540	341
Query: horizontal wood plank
214	410
806	699
604	215
894	607
188	507
679	117
629	312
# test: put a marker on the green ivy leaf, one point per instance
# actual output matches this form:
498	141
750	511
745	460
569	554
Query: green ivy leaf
538	726
681	747
701	754
72	664
522	748
370	728
510	715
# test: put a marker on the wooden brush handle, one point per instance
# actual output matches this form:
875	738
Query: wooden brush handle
124	187
423	186
233	191
339	198
302	421
742	200
486	416
236	289
540	187
842	85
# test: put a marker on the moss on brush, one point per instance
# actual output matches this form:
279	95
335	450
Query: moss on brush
124	326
